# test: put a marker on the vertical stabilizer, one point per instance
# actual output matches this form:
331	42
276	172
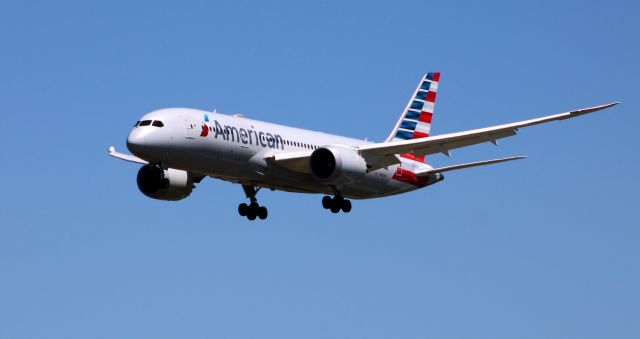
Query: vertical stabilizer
415	121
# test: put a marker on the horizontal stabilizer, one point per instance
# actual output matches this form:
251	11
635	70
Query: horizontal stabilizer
126	157
468	165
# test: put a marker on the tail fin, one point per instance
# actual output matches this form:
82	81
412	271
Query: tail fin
415	121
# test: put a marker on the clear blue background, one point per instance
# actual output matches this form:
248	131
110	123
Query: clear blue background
541	248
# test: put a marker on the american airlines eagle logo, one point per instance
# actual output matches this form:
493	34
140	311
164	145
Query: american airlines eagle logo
205	128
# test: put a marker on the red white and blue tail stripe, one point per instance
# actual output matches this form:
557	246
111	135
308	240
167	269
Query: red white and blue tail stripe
415	121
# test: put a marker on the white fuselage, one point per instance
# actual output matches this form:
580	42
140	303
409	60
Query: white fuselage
237	149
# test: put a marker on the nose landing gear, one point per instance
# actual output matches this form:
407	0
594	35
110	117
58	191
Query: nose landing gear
252	210
336	204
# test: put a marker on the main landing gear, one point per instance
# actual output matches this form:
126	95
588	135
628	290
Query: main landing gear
336	204
253	210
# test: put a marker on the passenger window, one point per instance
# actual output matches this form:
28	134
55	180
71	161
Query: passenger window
145	123
158	123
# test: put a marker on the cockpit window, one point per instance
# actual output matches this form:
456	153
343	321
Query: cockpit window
137	123
158	123
145	123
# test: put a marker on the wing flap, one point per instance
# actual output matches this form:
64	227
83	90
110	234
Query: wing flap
461	142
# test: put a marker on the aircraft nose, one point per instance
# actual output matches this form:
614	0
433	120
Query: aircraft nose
136	141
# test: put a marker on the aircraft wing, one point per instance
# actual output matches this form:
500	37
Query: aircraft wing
384	154
294	161
126	157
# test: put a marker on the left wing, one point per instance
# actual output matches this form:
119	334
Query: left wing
294	161
384	154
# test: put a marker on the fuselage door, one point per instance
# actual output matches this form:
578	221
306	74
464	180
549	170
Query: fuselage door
190	129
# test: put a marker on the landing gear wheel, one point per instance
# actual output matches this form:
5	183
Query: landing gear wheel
243	209
346	206
262	212
336	204
253	210
326	202
251	214
335	208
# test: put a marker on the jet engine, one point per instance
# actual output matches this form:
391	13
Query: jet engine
170	184
337	165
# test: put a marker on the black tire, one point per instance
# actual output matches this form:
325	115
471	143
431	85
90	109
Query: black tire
251	214
262	213
326	202
337	200
335	208
346	206
243	209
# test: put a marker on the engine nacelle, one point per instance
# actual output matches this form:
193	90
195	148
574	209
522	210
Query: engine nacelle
170	184
337	165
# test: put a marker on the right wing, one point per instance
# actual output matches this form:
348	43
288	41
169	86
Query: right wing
126	157
384	154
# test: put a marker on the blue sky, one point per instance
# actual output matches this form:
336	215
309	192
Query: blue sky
541	248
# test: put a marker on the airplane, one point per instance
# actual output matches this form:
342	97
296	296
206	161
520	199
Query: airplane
178	147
